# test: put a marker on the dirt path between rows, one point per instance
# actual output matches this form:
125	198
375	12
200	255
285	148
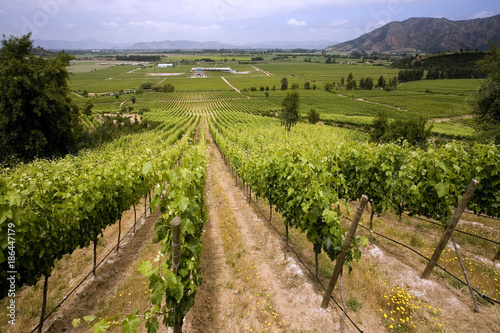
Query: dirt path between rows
262	291
117	267
235	89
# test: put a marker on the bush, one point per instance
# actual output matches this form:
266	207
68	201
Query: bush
413	130
313	116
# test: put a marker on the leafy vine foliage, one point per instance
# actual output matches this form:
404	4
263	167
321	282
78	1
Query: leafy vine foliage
58	206
181	195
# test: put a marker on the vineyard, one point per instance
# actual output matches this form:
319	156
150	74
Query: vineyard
246	221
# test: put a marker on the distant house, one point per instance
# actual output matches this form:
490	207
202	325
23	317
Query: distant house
165	65
197	72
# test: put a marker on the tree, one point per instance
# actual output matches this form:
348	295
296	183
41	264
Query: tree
313	116
413	130
87	110
307	85
368	83
37	117
351	83
329	87
168	87
486	103
290	112
362	83
284	83
380	127
132	99
381	82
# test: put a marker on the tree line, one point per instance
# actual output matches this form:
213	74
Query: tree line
458	65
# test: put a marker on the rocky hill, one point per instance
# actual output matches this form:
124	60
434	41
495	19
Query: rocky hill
426	35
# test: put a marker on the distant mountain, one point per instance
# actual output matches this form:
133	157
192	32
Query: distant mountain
426	35
190	45
91	44
180	45
88	44
289	45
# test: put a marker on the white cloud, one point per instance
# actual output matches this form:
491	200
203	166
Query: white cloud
483	14
70	25
171	26
294	22
112	25
337	22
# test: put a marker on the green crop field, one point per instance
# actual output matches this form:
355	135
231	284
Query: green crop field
455	86
445	100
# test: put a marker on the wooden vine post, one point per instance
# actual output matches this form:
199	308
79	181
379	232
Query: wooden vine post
371	222
176	257
339	262
44	302
497	256
150	207
449	229
135	220
95	257
119	234
476	308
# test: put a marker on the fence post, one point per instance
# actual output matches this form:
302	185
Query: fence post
119	234
339	262
135	219
449	230
497	256
176	258
44	302
95	257
476	308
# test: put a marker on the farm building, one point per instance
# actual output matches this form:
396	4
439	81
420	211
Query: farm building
200	71
165	65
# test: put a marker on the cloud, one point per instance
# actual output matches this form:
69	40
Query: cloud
70	25
294	22
162	26
337	22
483	14
112	25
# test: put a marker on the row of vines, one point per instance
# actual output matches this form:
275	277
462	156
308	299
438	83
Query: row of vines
307	173
55	207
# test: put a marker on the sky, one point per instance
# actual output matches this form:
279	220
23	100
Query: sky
236	22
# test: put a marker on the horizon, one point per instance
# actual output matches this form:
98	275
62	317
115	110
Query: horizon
226	21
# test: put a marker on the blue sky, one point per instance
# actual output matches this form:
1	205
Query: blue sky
228	21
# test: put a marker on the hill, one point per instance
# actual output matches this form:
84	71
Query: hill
426	35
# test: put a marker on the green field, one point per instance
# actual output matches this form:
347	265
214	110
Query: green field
445	102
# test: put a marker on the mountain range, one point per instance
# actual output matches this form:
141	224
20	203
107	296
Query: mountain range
426	35
90	44
415	35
